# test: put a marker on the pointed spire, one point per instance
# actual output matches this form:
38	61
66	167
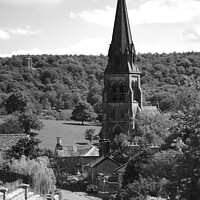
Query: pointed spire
122	50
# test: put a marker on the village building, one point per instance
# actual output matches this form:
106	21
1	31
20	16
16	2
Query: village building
74	158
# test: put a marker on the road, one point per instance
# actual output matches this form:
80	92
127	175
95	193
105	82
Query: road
68	195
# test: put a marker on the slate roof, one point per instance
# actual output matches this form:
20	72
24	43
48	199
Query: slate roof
71	151
101	159
94	151
9	140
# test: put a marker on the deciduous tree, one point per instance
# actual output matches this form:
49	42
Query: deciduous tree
83	112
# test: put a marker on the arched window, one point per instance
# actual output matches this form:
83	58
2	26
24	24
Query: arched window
117	130
122	92
114	92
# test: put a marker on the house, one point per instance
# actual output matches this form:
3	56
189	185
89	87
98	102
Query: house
104	165
73	158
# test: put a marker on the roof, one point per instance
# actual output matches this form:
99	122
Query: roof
101	159
94	151
121	169
71	151
122	51
151	110
9	140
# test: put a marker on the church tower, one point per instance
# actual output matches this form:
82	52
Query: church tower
122	96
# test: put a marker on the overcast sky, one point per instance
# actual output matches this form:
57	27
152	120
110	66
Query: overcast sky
85	26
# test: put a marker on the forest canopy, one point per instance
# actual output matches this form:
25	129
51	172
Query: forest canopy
60	82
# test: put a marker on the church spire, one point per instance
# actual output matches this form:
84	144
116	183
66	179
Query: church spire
122	51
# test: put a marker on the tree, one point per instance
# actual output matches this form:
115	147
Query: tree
11	125
28	121
90	135
17	101
83	112
28	147
151	129
42	176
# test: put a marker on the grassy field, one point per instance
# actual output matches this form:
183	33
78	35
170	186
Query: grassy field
70	131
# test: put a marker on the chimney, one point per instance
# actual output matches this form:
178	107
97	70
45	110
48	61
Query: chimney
134	148
59	143
104	147
155	148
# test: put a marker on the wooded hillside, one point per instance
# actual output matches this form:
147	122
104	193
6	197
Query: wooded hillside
60	82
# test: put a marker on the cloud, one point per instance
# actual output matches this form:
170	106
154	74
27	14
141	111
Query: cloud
148	12
87	47
28	2
4	35
24	31
97	16
192	33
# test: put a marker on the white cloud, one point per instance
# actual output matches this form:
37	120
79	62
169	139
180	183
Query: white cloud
87	47
27	2
24	31
149	12
4	35
192	33
97	16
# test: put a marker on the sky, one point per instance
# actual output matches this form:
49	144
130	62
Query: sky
85	26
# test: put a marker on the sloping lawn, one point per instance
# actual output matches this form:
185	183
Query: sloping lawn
71	133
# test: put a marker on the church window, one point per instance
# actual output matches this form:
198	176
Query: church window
122	92
117	130
114	92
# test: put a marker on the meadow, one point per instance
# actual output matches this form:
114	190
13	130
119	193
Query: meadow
70	131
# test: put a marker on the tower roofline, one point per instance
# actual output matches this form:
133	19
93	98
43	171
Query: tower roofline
122	51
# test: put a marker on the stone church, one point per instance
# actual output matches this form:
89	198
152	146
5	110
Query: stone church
122	94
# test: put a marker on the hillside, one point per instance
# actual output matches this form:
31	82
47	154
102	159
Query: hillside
60	82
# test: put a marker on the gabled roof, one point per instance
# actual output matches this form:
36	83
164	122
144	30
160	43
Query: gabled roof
94	151
71	151
101	159
9	140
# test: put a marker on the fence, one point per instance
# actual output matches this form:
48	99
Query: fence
12	180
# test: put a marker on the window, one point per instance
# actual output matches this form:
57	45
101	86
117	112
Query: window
114	92
122	92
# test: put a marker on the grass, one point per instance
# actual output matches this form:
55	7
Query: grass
70	131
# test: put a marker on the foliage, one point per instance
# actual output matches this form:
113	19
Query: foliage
17	101
25	147
90	135
136	166
61	81
42	176
142	188
11	125
28	121
21	123
83	112
151	129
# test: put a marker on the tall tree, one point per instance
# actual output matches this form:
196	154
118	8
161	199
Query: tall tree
17	101
83	112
